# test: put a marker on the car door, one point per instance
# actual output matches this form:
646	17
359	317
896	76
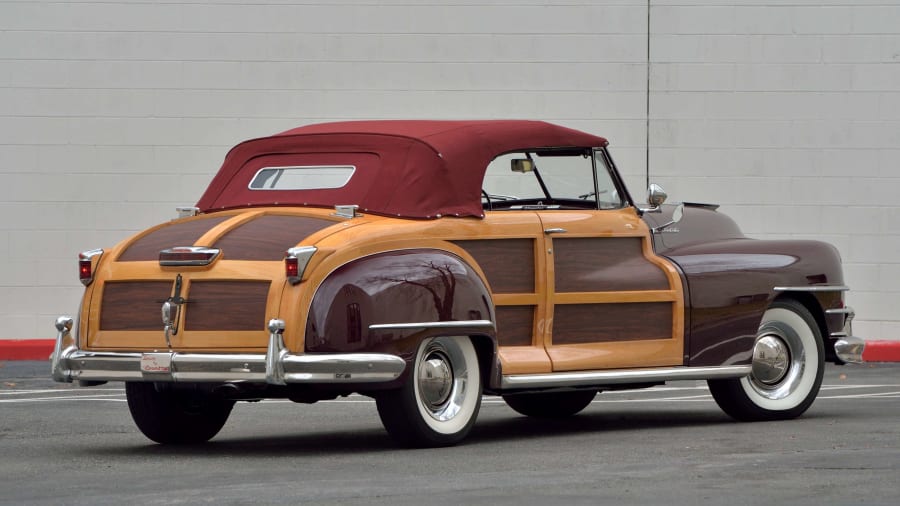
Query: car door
610	301
507	247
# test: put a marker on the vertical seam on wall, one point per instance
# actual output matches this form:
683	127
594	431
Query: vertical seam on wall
647	123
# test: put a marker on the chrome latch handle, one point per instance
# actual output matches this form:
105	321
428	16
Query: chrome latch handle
557	230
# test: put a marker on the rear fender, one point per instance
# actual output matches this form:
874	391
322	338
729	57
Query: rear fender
390	302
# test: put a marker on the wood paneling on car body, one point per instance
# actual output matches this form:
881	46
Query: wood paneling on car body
133	305
592	323
515	325
507	263
226	305
268	237
593	264
185	233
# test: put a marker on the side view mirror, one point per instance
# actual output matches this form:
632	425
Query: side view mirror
677	215
655	197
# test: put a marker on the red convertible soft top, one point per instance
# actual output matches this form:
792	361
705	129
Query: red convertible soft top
414	168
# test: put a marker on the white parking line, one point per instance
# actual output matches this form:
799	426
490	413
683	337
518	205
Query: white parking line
55	391
862	396
67	398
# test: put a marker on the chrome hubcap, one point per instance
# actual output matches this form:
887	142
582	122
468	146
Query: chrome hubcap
771	359
435	379
779	361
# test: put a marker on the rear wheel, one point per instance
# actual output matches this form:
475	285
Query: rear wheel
170	416
788	363
550	404
439	403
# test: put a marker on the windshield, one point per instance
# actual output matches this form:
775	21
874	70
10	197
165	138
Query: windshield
558	179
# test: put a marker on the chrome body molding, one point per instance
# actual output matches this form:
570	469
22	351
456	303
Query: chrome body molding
813	288
277	366
461	325
850	349
621	376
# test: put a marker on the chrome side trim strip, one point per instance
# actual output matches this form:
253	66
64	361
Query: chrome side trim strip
850	349
812	288
621	376
843	310
465	324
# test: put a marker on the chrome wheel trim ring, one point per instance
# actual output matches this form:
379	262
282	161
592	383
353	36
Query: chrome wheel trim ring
458	405
800	378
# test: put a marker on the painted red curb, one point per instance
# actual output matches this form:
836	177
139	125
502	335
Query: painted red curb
882	351
26	349
40	349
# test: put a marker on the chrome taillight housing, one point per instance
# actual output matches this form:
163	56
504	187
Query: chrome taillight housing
295	260
87	262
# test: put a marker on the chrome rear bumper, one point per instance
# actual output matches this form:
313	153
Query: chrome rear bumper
277	367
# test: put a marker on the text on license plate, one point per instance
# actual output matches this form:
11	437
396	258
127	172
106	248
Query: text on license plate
156	362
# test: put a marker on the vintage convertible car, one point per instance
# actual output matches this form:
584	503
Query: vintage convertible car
425	263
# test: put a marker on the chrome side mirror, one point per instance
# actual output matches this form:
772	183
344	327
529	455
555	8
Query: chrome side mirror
655	197
677	215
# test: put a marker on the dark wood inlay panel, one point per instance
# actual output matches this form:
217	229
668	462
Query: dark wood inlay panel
177	234
268	237
507	263
590	323
604	264
515	325
134	305
226	305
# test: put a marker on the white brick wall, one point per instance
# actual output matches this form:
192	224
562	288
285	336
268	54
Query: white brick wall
112	113
789	115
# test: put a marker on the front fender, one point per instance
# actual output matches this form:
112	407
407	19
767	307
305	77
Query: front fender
733	282
389	302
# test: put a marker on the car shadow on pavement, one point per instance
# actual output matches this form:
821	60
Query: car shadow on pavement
495	429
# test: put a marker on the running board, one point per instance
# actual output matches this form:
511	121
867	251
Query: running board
620	376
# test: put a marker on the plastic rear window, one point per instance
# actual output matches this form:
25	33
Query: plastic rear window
309	177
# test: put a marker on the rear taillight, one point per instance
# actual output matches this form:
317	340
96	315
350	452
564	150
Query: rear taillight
295	260
87	261
188	256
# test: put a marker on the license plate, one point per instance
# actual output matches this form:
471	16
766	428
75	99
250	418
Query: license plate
156	363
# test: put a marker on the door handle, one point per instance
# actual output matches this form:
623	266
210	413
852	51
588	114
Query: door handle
549	231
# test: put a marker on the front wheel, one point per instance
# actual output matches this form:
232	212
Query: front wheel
439	403
788	363
170	416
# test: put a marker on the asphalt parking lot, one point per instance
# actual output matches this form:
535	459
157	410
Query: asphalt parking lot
61	444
